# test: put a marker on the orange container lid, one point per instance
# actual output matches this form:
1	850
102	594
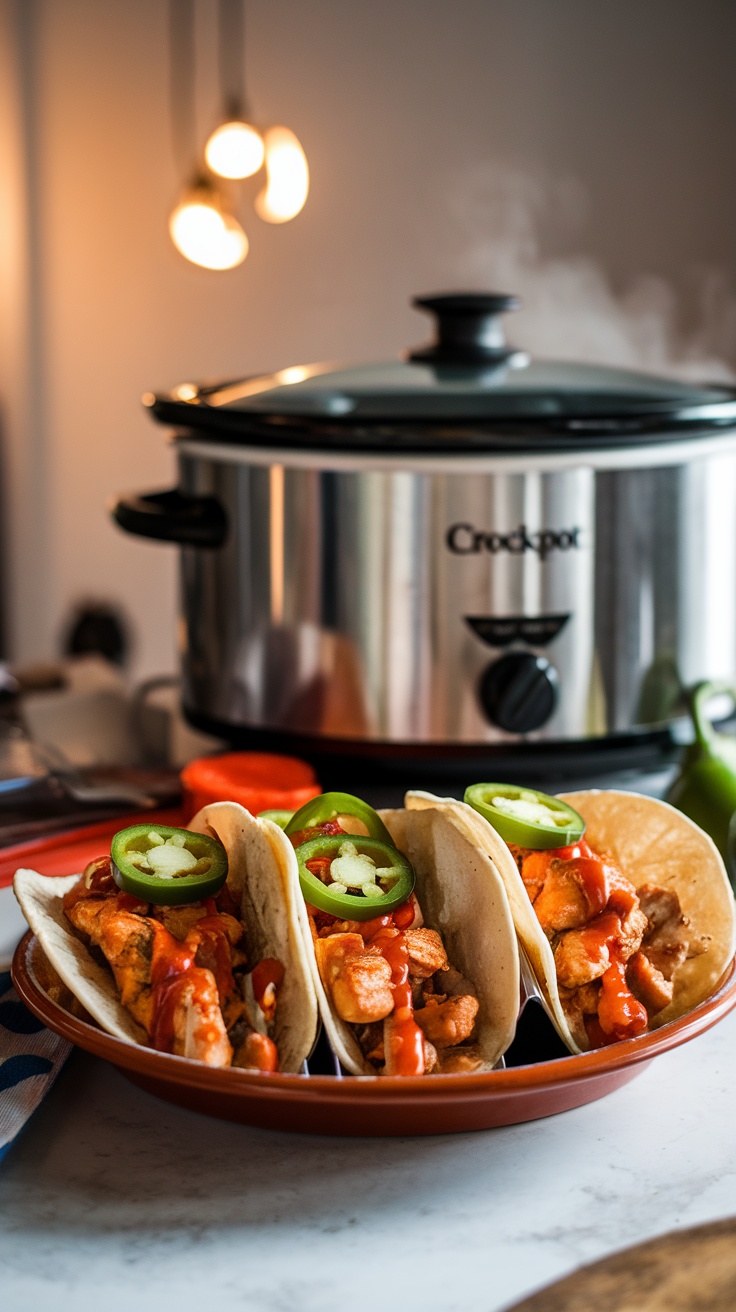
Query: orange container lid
260	781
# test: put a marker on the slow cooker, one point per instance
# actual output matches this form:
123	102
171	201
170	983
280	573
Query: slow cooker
463	557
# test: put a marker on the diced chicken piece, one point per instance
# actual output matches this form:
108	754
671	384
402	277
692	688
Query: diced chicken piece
534	870
585	954
333	950
587	998
418	920
577	1004
622	894
359	981
179	920
648	984
661	907
573	891
392	1029
426	952
351	824
214	942
197	1027
452	983
362	989
519	853
633	927
580	957
431	1058
447	1023
257	1053
126	941
667	939
460	1061
370	1040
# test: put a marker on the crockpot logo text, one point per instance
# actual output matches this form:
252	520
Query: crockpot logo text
464	540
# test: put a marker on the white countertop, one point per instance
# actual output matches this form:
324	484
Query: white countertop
113	1200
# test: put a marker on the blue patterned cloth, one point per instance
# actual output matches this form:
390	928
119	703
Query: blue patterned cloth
30	1060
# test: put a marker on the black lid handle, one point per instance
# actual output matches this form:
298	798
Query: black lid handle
468	328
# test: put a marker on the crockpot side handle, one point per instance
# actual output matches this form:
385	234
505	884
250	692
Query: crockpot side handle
169	516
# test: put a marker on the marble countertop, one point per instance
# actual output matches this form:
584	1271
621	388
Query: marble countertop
112	1199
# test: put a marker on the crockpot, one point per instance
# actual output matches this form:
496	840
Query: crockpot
466	555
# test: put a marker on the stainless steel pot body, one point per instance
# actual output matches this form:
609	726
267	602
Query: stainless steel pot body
459	600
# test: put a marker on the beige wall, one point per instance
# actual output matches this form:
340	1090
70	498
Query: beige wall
448	143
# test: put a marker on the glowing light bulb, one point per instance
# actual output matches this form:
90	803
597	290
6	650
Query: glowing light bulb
203	233
287	171
235	150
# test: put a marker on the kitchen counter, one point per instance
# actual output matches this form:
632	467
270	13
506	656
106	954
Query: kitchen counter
112	1199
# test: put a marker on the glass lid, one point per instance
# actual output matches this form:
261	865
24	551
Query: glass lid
467	389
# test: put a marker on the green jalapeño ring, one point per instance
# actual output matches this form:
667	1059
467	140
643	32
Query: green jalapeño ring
280	818
166	866
328	806
526	817
353	878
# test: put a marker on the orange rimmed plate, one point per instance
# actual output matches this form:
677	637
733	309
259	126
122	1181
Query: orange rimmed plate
386	1105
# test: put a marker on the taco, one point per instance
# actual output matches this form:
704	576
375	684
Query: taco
624	928
411	940
220	976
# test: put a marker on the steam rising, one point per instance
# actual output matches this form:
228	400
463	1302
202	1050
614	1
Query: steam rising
570	310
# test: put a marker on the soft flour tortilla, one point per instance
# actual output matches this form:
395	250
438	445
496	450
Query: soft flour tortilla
652	843
462	896
655	844
272	911
40	898
532	940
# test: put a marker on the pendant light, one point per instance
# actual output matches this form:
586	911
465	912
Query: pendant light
235	149
201	226
204	232
287	173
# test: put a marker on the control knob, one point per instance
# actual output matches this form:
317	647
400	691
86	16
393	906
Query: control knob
518	692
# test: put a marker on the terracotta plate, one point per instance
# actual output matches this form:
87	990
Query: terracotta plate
323	1104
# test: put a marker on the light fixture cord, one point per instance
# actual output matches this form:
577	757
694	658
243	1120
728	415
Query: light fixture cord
231	57
182	72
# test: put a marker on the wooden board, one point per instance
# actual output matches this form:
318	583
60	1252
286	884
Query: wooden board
683	1271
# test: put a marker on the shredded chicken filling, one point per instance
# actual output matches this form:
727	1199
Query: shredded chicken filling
181	971
617	949
390	978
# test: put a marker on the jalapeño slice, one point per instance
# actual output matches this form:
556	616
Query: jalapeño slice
328	806
280	818
525	816
352	877
167	866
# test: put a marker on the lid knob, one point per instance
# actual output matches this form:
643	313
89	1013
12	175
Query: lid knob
468	329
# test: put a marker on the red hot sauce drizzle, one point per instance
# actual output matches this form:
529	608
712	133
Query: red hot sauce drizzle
404	1039
384	934
405	1046
267	978
610	897
172	968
